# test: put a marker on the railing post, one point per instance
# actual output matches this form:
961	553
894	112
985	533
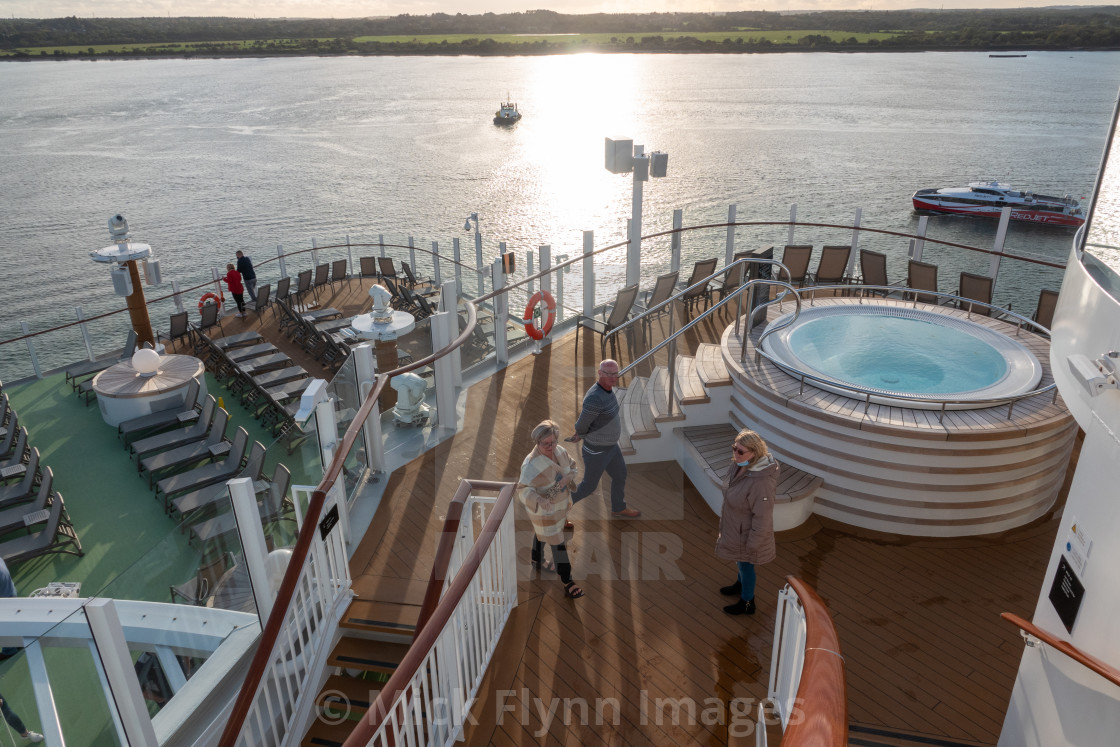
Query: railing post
854	254
217	284
588	274
326	428
478	264
920	244
111	649
31	350
280	259
546	281
412	255
449	302
792	222
365	369
445	375
1001	236
561	259
675	241
349	255
529	271
85	331
253	549
501	311
729	251
436	280
314	253
381	244
177	296
458	261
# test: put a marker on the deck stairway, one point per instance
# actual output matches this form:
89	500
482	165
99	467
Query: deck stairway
377	630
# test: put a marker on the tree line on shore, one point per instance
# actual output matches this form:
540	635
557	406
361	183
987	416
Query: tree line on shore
490	34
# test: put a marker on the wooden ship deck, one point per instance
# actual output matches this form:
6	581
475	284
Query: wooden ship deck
918	618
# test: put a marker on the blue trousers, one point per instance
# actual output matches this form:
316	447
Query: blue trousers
746	579
596	461
11	717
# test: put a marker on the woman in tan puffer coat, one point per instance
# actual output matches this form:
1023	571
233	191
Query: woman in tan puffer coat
746	522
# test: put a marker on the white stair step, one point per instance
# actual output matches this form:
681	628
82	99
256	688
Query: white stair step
689	387
710	367
637	416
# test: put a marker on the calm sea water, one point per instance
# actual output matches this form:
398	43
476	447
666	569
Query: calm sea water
204	157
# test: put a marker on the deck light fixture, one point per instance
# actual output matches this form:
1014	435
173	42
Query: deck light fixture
623	157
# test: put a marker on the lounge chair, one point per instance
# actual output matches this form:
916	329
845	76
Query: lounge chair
620	312
179	437
283	291
185	413
303	285
210	493
415	281
209	317
922	276
239	340
57	535
212	445
732	280
832	267
976	288
15	517
263	299
385	268
200	586
368	267
1047	303
271	509
207	474
338	272
12	464
178	327
796	259
79	372
873	270
249	352
8	443
322	277
24	490
662	290
692	297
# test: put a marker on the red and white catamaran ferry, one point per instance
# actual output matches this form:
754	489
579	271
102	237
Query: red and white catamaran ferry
987	199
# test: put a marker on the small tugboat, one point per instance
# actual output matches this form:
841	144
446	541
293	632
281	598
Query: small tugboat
507	114
987	199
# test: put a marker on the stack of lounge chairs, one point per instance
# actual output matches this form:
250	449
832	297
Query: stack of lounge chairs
33	517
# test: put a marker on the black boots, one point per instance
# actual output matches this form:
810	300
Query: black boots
742	607
733	590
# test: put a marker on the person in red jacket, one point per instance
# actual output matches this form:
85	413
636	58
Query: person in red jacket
236	289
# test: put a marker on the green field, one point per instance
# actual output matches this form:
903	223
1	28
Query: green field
325	44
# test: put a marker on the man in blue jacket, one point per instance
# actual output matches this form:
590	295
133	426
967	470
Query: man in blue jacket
245	267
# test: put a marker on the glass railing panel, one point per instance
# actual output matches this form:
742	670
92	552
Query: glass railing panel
344	390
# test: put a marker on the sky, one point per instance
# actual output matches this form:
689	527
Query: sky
362	8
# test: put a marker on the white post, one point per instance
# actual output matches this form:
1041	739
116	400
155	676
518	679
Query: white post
546	280
634	247
31	350
365	369
501	311
412	255
381	244
851	271
792	220
280	257
479	266
560	259
254	551
529	271
178	296
120	673
588	274
326	426
445	374
920	244
458	261
436	281
1001	235
729	251
44	698
314	253
675	242
85	331
349	257
449	302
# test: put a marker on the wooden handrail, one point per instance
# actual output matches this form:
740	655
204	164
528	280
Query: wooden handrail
422	644
821	715
271	632
444	550
1109	672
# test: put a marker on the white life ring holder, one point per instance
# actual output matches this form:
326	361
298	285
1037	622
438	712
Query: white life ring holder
531	329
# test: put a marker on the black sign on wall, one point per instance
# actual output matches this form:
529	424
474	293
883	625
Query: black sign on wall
328	522
1066	593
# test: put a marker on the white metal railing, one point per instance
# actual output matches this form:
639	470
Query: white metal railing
289	685
448	659
788	654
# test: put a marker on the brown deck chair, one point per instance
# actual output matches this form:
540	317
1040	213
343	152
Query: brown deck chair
832	267
922	276
338	272
700	270
873	269
977	288
662	291
367	267
1047	303
385	267
620	312
796	259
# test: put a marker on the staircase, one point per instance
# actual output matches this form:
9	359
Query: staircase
377	630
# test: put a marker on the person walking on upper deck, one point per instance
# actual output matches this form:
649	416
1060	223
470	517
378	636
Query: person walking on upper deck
599	427
248	274
236	289
544	488
746	521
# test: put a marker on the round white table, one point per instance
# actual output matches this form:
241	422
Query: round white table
384	335
123	393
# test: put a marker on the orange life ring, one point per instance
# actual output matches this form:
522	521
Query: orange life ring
210	297
531	329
